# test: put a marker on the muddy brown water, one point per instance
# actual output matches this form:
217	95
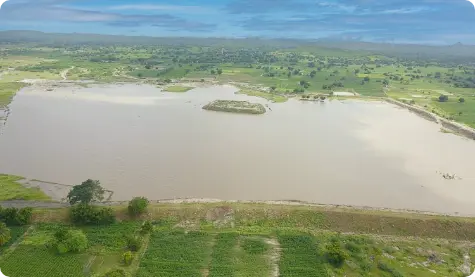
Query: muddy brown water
139	141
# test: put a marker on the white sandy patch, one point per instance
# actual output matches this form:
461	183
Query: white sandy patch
343	93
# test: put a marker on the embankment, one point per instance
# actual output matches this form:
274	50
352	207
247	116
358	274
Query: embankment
450	125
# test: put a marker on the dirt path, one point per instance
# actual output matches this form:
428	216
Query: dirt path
64	73
14	246
274	256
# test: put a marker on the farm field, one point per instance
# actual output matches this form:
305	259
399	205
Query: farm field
226	246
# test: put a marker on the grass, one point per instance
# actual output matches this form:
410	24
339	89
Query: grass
8	90
31	261
15	232
223	257
235	107
175	253
269	96
10	189
178	89
300	256
241	251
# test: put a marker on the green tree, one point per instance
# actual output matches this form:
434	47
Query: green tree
461	100
127	258
5	234
86	193
138	206
146	227
443	98
335	255
68	241
219	71
366	79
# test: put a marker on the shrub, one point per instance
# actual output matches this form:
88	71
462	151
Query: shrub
335	255
5	234
14	216
127	258
91	215
461	100
138	206
146	227
443	98
133	243
393	272
116	273
68	241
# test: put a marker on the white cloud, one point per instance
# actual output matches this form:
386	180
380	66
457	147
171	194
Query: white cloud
169	8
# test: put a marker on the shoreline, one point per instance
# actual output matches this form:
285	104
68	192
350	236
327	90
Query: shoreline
53	204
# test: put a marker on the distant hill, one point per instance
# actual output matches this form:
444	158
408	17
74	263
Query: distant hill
456	51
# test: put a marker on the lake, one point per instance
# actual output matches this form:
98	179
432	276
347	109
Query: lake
139	141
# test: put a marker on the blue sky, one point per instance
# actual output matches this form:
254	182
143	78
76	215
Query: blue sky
399	21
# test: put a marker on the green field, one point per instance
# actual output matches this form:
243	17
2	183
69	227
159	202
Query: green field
290	241
178	89
275	71
10	189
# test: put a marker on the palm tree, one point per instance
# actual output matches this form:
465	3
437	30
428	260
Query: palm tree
5	235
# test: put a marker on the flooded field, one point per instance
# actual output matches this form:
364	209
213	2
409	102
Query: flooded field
139	141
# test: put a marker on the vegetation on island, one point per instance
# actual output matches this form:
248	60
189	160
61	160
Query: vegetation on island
178	89
232	106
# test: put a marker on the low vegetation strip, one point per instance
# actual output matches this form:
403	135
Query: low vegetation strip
178	89
300	256
235	107
266	95
175	253
223	256
11	189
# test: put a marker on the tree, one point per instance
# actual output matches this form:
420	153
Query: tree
86	192
137	206
273	88
366	79
220	71
461	100
68	241
443	98
213	72
140	75
335	255
5	234
127	258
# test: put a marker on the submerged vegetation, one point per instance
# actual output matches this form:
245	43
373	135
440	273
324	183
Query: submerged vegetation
235	107
178	89
11	189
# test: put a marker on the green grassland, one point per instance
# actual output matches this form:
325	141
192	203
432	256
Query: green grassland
12	190
254	240
178	89
288	71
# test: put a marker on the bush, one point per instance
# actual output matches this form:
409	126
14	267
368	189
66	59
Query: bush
393	272
5	234
146	227
443	98
133	243
335	255
127	258
91	215
461	100
138	206
116	273
14	216
68	241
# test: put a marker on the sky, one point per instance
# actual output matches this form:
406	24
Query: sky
393	21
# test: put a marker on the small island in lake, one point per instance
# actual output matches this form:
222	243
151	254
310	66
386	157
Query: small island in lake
232	106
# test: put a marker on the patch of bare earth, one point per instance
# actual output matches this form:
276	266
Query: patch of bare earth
205	271
222	216
274	256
